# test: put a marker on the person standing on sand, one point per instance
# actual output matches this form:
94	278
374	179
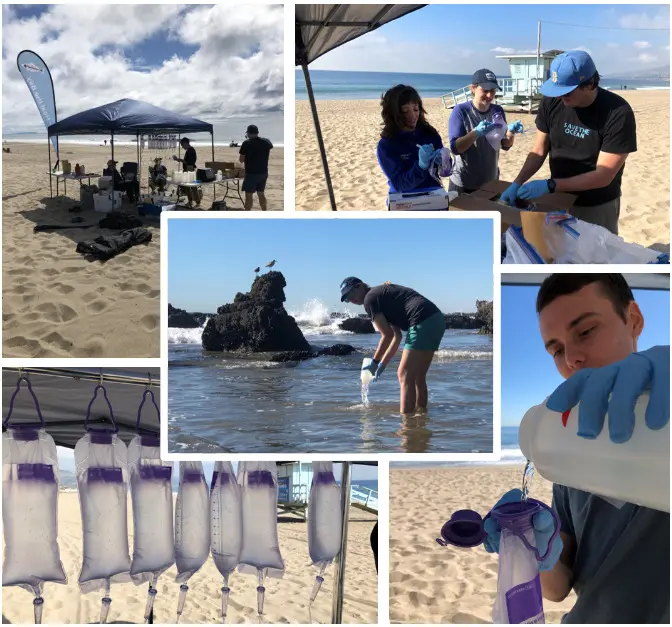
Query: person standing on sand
587	132
193	194
404	129
254	153
615	555
476	161
393	309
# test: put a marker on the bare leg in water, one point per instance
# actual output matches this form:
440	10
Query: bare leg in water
412	375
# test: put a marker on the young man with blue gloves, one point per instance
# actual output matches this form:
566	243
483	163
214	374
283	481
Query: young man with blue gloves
616	556
476	161
587	132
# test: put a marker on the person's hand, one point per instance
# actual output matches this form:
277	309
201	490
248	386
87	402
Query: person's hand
372	367
533	189
544	526
426	156
624	381
379	372
515	127
484	127
510	194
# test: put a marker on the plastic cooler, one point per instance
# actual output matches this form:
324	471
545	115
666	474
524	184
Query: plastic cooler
103	202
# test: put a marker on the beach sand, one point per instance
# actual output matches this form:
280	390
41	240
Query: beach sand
55	302
286	599
351	132
433	584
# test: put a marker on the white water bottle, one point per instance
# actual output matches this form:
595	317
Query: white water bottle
636	471
366	375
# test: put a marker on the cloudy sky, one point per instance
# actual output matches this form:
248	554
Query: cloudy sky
458	39
219	64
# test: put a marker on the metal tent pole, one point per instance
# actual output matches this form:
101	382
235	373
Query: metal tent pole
51	193
318	130
112	145
212	141
339	575
538	53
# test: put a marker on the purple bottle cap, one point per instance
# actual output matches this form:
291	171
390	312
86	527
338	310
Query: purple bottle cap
464	529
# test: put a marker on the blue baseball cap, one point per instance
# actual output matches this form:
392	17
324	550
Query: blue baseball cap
347	286
486	79
568	71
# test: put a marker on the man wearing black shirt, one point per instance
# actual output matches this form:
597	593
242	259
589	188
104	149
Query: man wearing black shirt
254	154
588	133
132	188
194	194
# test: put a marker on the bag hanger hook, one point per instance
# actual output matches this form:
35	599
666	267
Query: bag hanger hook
149	382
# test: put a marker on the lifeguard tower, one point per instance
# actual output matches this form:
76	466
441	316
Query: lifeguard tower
520	91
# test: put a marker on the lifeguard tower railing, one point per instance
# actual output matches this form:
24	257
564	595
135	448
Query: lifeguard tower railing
364	498
514	91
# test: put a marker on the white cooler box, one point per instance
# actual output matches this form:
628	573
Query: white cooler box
434	200
103	202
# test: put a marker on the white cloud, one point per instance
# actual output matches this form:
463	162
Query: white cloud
659	20
500	50
642	45
645	57
236	70
666	47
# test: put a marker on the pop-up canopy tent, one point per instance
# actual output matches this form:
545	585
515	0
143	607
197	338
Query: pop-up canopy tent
128	117
320	28
64	395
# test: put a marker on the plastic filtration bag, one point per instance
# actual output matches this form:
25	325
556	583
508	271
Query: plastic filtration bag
518	249
442	165
325	515
496	136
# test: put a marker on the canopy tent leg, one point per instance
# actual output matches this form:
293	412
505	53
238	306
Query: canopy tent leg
339	575
318	130
212	142
51	193
113	194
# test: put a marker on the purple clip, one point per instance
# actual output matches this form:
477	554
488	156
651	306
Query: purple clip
11	404
150	440
324	478
36	472
25	433
97	474
260	478
192	476
88	413
100	437
149	472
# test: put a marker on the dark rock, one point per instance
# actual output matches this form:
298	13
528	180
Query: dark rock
201	317
255	322
337	350
357	325
461	321
180	319
484	314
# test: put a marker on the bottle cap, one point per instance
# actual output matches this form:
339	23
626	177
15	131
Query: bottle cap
464	529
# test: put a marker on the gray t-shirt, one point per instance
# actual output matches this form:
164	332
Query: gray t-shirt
479	164
622	566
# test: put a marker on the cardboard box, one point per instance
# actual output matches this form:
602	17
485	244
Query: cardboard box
434	200
67	166
485	199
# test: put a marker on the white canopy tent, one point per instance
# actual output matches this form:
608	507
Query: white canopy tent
320	28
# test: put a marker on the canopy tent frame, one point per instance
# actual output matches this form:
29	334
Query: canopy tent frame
304	57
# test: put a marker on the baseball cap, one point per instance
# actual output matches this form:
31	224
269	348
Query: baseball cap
568	71
252	130
112	162
348	284
485	78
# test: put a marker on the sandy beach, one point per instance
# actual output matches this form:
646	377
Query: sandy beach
286	599
55	302
433	584
352	129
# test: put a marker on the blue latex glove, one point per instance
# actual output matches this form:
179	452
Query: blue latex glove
515	127
372	367
425	156
510	194
484	127
544	526
379	372
533	189
624	381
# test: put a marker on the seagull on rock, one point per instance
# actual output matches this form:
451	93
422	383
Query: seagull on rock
270	264
256	270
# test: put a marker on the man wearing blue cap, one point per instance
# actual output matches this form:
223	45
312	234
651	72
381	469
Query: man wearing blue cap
588	133
476	160
393	309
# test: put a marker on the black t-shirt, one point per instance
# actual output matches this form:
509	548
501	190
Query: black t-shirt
256	152
190	156
401	306
578	135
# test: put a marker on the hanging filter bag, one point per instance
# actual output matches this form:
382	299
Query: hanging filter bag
30	505
442	165
496	136
152	498
102	480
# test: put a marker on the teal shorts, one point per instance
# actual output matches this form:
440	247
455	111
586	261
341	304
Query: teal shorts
426	335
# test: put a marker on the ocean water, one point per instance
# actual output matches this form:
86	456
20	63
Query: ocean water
334	85
98	140
249	405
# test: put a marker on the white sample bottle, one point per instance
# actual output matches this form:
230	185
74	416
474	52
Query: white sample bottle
219	175
636	471
366	375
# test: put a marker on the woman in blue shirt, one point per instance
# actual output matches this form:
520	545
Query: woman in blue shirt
404	130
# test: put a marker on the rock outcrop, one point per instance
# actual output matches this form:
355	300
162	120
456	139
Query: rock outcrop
338	350
484	314
255	322
357	325
180	319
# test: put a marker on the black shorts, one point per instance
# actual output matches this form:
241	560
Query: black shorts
254	183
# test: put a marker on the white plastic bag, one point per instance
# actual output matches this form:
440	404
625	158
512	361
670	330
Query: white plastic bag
442	165
325	515
518	249
496	136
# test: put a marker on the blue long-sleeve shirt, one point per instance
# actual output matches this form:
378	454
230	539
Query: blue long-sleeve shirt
398	158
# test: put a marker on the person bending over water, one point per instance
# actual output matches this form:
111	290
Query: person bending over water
393	309
404	129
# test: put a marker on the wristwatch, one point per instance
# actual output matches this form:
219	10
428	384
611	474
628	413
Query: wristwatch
551	185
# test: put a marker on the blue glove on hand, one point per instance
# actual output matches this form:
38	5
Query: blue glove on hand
533	189
379	372
425	156
544	526
484	127
624	381
516	127
510	194
372	367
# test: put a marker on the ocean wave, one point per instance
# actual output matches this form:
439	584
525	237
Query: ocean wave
461	355
185	336
314	318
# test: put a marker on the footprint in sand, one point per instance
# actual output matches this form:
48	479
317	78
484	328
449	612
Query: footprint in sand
153	294
97	306
95	347
63	288
57	312
71	269
20	272
58	341
49	272
33	316
29	347
140	288
149	322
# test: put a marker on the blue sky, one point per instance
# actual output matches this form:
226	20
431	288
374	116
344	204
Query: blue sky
523	355
211	260
460	38
206	61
